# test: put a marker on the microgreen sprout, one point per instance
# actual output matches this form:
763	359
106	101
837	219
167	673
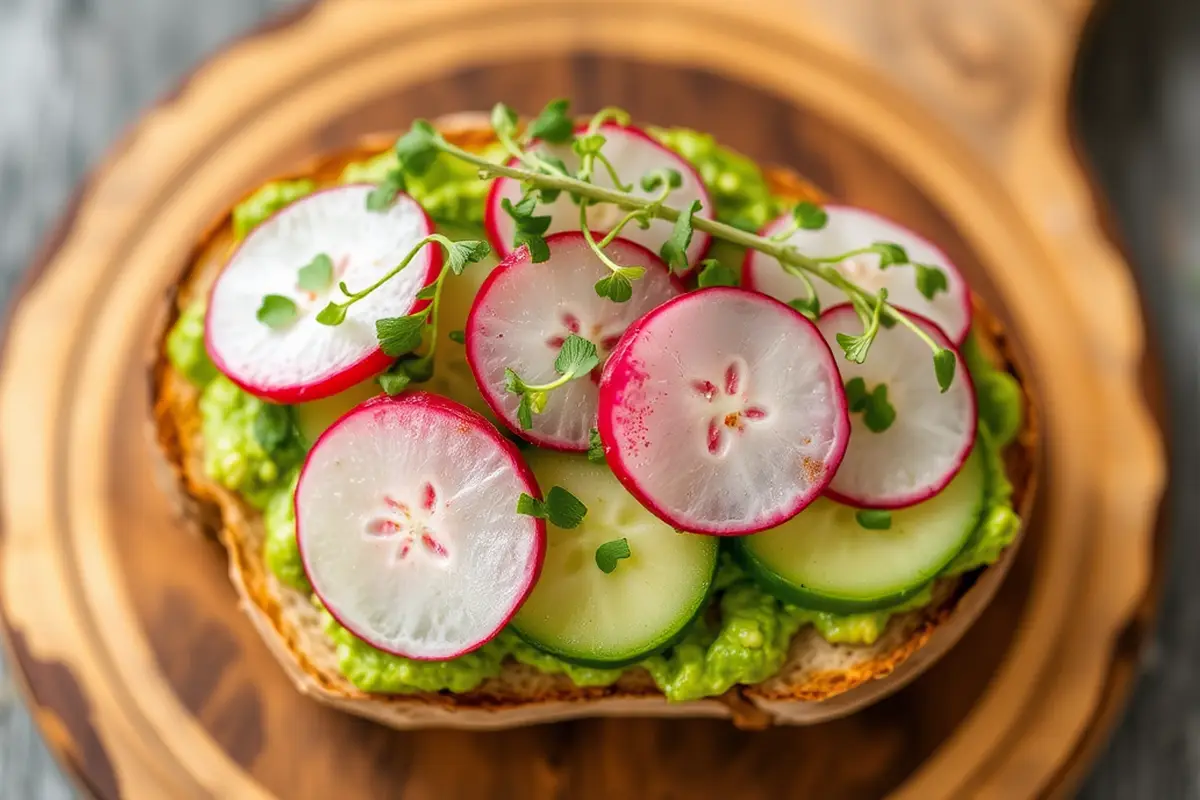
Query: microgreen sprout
576	358
542	177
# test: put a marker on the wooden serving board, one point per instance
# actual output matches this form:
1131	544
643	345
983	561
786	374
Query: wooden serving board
948	115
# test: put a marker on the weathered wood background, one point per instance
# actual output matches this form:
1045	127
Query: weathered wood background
74	73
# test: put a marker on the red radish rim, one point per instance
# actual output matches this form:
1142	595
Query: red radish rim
493	209
517	257
323	386
960	373
621	471
748	268
465	415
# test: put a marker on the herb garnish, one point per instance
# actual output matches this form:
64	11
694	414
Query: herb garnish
545	177
576	358
560	507
609	553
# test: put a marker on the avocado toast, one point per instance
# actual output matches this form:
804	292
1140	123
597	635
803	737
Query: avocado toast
747	654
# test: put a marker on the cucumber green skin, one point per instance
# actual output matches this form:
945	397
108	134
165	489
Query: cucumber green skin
804	597
626	661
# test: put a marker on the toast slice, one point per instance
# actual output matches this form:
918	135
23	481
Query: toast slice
819	680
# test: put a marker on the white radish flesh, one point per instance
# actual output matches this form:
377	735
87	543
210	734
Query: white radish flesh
304	359
407	526
723	412
525	311
924	447
850	228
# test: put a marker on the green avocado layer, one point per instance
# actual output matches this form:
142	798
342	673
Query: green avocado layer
249	448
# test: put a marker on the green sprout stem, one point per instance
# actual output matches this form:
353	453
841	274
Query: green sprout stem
354	297
785	254
561	380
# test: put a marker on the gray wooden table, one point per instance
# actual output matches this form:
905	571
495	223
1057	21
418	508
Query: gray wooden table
74	73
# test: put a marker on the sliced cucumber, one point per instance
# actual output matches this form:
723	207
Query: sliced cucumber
586	616
824	559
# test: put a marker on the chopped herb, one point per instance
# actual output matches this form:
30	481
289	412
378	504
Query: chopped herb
609	553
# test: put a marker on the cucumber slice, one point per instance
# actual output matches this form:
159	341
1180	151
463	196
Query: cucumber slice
824	559
586	616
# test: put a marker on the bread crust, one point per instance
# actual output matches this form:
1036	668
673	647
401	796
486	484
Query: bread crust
820	680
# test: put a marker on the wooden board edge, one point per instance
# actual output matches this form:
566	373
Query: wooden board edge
59	731
1132	641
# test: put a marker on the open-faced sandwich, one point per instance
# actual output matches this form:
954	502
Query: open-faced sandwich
509	423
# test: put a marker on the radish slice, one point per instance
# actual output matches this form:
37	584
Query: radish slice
926	444
722	411
633	153
523	313
305	360
850	228
407	526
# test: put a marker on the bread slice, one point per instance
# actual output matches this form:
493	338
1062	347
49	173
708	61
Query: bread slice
819	680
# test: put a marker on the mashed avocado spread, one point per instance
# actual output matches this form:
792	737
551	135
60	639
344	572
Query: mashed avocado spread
253	448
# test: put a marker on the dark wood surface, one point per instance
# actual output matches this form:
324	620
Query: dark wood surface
91	66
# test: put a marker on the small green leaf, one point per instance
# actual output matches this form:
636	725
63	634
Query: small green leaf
559	165
808	306
404	372
332	314
458	337
609	553
504	120
524	207
930	280
879	414
595	447
394	382
273	427
714	273
277	311
525	413
531	507
523	216
400	335
890	254
381	197
577	356
429	292
874	520
588	144
467	251
512	382
418	149
537	400
316	275
564	509
944	364
855	347
857	395
554	123
615	287
809	216
539	251
654	179
674	249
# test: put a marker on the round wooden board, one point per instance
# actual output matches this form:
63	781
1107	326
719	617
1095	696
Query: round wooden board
149	682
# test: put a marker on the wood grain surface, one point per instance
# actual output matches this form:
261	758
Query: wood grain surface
230	693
